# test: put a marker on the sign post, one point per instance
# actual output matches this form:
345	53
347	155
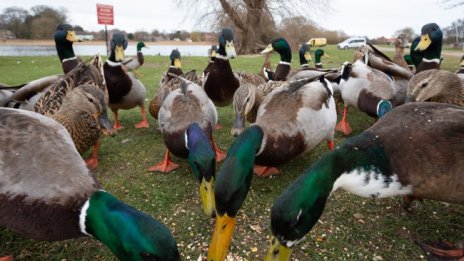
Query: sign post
105	16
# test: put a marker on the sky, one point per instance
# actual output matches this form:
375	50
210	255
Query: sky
371	18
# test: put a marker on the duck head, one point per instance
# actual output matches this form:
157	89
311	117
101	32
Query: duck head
431	40
231	189
129	233
203	164
64	39
226	44
175	59
140	45
118	45
305	54
281	46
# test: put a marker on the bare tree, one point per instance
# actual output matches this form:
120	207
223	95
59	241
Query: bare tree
253	20
451	3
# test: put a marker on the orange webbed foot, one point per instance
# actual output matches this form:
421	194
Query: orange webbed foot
142	124
265	171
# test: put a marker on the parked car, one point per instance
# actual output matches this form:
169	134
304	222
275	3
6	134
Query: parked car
316	42
352	42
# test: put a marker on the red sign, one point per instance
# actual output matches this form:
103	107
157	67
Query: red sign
105	14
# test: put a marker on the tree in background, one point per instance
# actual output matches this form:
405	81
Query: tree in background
408	33
14	19
39	23
254	21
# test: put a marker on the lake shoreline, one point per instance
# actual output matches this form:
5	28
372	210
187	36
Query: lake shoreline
28	42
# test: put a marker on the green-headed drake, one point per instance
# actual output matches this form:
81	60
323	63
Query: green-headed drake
318	54
124	89
367	89
64	39
304	53
308	117
430	44
48	193
133	63
281	46
220	82
415	149
186	106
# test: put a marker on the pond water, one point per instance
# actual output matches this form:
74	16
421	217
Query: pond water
81	50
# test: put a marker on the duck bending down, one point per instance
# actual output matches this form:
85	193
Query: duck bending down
124	89
367	89
181	108
377	164
437	86
309	116
48	193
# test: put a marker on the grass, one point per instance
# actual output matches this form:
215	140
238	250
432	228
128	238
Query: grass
351	228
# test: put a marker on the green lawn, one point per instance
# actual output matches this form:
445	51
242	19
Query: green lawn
351	228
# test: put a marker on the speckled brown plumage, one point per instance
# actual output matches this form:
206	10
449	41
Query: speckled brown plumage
437	86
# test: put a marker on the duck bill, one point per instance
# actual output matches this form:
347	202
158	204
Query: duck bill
105	124
207	196
307	56
238	125
177	63
268	49
222	236
71	36
230	49
213	53
278	252
462	63
119	53
424	43
326	55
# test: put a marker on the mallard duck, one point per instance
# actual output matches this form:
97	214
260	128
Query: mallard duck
437	86
318	54
175	67
367	89
398	58
168	86
47	193
183	107
430	46
78	103
219	80
247	99
416	149
24	96
212	56
134	63
309	113
125	91
64	39
304	53
281	46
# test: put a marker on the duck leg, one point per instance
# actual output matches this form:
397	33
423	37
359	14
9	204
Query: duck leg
265	171
144	122
219	154
165	166
116	125
92	161
343	125
443	250
6	258
330	144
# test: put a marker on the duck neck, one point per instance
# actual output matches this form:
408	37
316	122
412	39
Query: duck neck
65	50
433	52
101	216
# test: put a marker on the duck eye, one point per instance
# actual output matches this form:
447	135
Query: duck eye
424	85
90	100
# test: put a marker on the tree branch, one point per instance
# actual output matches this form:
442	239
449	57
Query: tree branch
233	15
